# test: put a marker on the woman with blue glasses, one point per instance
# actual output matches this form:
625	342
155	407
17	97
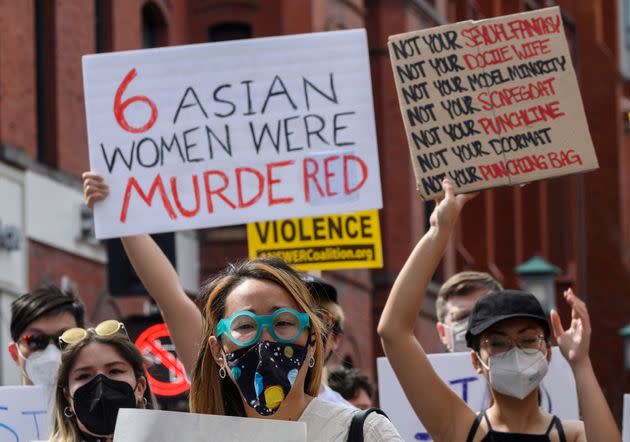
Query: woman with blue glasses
259	342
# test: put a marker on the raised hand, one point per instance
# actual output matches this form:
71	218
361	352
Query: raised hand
447	209
94	188
574	342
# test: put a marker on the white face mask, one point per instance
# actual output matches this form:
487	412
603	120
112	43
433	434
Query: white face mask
457	333
516	372
41	367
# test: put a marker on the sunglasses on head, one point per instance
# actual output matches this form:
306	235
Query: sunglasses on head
75	335
39	341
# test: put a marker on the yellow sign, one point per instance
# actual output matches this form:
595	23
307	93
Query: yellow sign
328	242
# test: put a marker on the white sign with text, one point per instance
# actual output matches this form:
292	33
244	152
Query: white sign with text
135	425
24	414
559	395
228	133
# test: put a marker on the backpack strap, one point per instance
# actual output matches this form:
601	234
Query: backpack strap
355	434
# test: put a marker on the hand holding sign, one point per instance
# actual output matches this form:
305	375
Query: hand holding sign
447	209
94	188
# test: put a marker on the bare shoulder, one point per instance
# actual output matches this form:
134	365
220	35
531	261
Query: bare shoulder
574	431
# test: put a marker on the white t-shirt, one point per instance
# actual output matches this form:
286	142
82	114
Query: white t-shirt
330	395
330	422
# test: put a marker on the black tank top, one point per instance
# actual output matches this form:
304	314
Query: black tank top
496	436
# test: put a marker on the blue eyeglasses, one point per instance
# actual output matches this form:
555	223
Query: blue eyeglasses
244	328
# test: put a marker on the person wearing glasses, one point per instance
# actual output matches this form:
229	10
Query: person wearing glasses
509	336
256	350
101	372
38	319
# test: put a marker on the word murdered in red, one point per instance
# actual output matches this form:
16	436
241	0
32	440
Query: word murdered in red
121	106
167	376
323	178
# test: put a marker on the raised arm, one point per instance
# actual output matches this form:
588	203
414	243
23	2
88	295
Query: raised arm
183	318
445	416
574	344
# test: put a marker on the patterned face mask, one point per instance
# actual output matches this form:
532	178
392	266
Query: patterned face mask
265	373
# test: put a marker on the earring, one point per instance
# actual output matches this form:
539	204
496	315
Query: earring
67	412
222	373
311	362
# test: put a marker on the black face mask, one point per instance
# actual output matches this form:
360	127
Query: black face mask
96	403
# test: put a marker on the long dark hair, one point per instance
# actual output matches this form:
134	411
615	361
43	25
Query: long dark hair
209	393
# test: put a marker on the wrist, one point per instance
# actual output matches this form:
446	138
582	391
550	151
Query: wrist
581	366
445	228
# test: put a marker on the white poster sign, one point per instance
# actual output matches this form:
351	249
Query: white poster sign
626	418
24	414
233	132
154	426
559	395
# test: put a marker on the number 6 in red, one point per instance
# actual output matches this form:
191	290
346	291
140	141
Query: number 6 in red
119	107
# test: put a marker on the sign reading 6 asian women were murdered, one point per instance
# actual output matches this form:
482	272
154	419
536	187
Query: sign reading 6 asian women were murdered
233	132
491	103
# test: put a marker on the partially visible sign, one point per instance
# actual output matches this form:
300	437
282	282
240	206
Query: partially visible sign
320	243
24	414
228	133
136	425
491	103
167	376
559	395
626	418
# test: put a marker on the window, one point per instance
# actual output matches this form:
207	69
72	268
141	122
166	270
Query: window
229	31
45	72
103	26
154	28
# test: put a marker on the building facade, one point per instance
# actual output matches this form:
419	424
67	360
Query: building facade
580	223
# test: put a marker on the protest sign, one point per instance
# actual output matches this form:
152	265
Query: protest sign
233	132
558	392
135	425
24	414
320	243
491	103
626	418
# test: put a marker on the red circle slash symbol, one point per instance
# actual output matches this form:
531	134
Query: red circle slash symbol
153	343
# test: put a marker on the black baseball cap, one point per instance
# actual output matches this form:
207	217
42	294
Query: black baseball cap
501	305
319	288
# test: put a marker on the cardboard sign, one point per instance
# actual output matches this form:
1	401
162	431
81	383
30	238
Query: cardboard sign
491	103
232	132
134	425
559	395
320	243
24	414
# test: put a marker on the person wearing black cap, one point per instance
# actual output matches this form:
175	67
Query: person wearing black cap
38	319
328	309
510	338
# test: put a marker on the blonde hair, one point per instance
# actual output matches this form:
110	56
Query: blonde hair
209	393
65	429
463	284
